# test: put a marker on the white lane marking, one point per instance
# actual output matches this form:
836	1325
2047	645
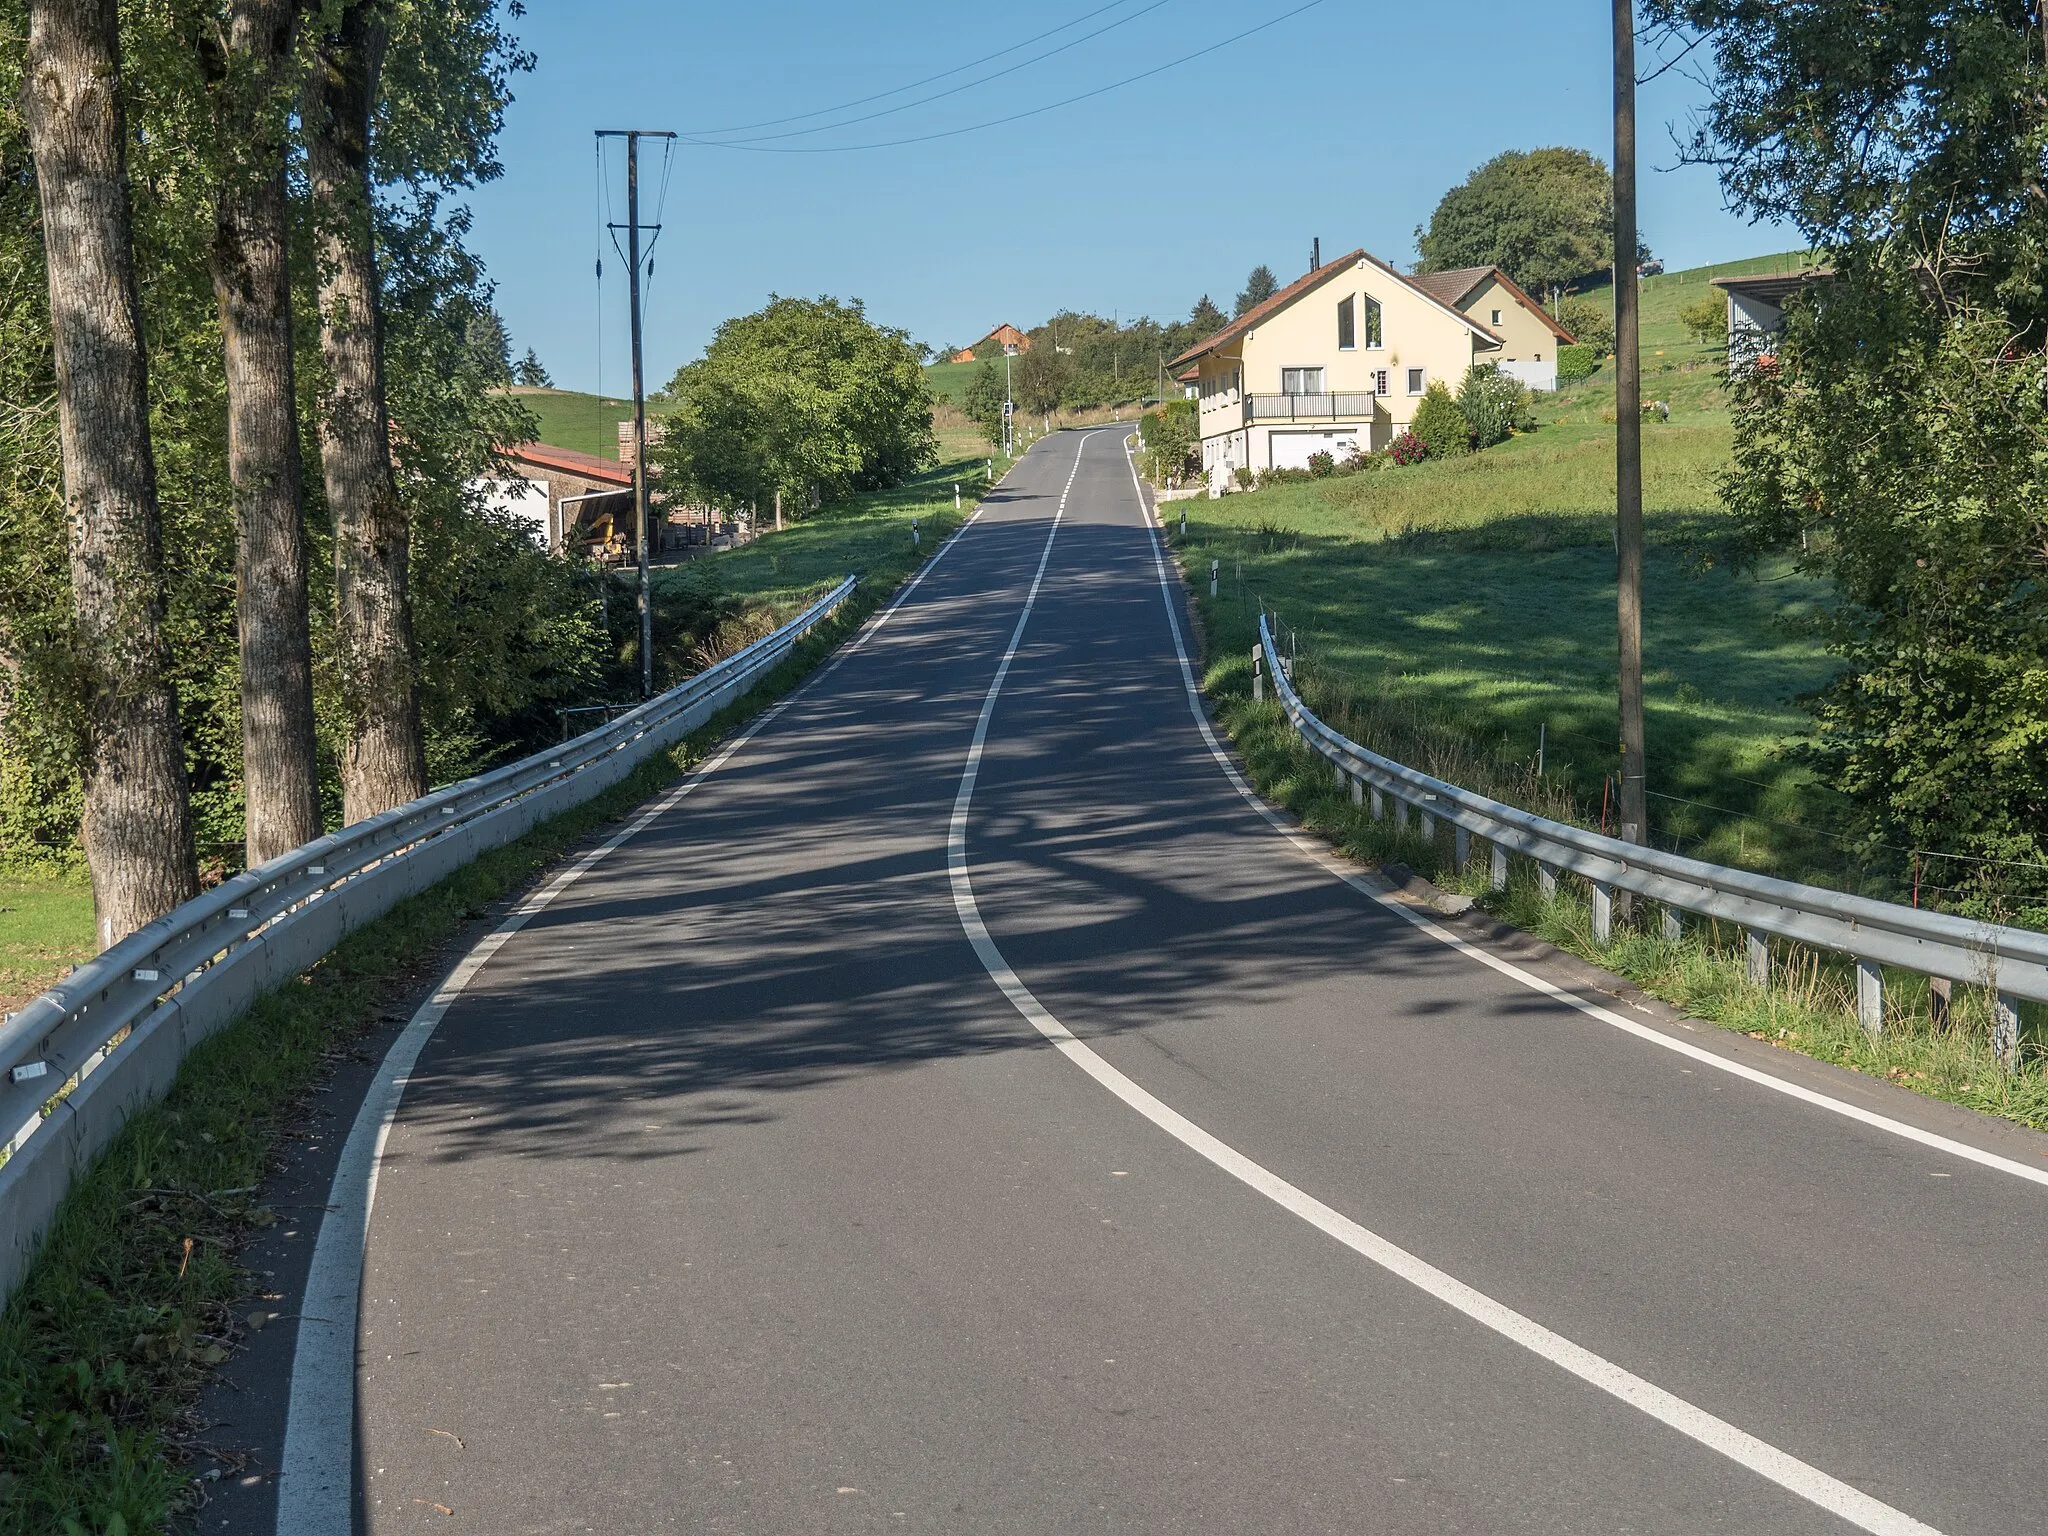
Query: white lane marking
1745	1449
1326	861
316	1474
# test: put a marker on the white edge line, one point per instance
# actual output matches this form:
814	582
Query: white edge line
316	1475
1766	1460
1323	858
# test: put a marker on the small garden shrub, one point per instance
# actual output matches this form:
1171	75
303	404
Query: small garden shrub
1322	465
1441	425
1407	449
1495	406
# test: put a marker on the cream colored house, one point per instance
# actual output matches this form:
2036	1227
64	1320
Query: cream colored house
1336	361
1529	337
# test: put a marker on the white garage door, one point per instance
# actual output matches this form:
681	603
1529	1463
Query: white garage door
1290	450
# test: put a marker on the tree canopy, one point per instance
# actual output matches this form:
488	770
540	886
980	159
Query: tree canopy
1543	216
1896	437
804	396
1259	286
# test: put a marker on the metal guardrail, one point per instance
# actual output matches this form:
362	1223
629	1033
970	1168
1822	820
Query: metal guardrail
115	1031
2009	963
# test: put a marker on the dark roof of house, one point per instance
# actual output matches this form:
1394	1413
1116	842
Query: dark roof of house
1460	283
570	461
1773	287
1302	285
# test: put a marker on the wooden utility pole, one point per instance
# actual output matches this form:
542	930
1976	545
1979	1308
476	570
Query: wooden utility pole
633	136
1628	433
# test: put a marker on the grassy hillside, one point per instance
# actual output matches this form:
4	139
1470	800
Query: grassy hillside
586	423
1676	369
1480	592
949	381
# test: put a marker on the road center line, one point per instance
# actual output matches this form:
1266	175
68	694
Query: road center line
1787	1471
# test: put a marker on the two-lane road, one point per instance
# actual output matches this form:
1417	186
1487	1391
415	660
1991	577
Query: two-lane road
965	1111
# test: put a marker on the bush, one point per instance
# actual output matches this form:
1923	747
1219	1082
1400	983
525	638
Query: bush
1495	406
1707	321
1407	449
1243	476
1322	465
1576	362
1170	435
1441	425
1284	476
1590	322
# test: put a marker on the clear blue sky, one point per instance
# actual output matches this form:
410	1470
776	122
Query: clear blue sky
1346	122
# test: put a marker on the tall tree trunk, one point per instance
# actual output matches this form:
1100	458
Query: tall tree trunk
138	820
252	284
384	762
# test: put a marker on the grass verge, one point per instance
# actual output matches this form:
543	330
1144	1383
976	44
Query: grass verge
45	925
132	1301
1809	1007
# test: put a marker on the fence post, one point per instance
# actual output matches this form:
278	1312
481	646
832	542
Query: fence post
1674	924
2005	1030
1461	848
1870	997
1498	868
1758	949
1603	912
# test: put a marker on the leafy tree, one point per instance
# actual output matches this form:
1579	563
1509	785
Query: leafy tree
983	402
1041	378
1543	216
806	395
1706	322
529	372
1440	426
1590	321
1260	286
1897	438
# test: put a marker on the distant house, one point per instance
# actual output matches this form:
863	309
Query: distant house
1529	337
964	355
1337	362
1005	338
1756	311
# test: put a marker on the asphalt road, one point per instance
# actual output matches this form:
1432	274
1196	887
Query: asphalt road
734	1194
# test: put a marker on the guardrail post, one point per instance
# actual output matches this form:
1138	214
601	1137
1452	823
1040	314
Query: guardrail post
1940	991
1870	997
1379	805
1461	848
1358	791
1499	868
1546	881
1340	772
1758	949
1674	924
1603	912
1428	826
1400	815
2005	1030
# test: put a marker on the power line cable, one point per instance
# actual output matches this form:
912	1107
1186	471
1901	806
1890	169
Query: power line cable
952	90
1014	117
861	101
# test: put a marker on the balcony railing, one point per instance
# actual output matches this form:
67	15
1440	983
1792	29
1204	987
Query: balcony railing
1358	405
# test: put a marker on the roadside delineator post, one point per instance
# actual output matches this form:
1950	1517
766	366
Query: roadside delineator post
2005	1030
914	542
956	495
1870	997
1258	676
1497	871
1214	567
1461	848
1674	924
1758	951
1603	912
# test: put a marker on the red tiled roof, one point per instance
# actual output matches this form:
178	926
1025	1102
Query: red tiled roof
570	461
1302	285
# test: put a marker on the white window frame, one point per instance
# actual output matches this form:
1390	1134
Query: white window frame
1321	378
1496	317
1347	310
1418	381
1374	310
